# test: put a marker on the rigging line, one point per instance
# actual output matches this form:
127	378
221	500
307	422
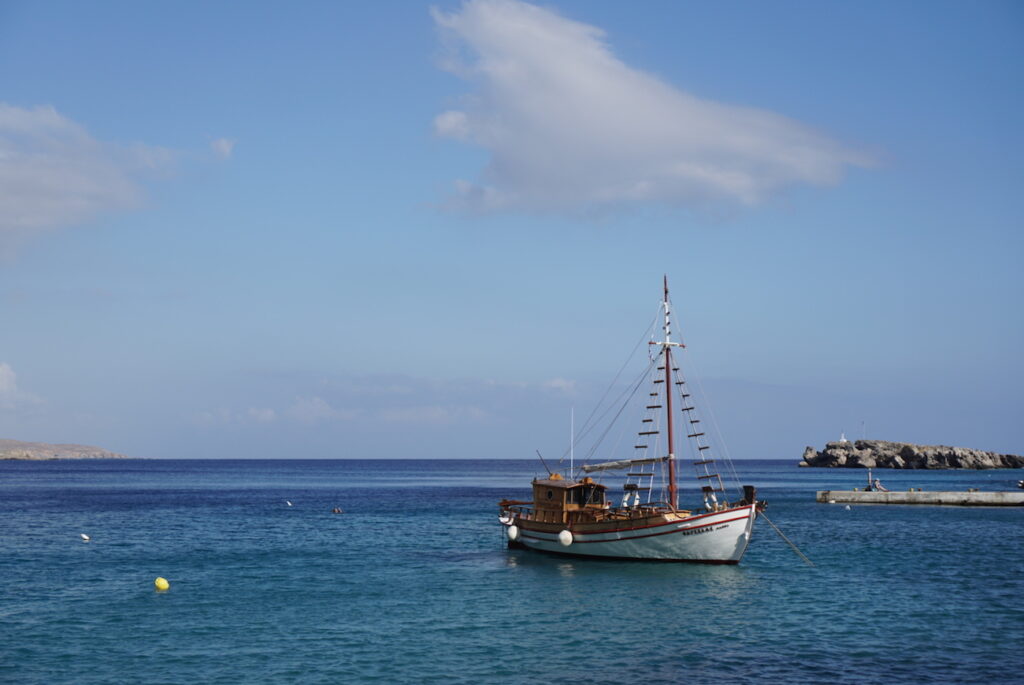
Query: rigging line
586	427
788	541
710	410
627	392
663	467
714	424
636	386
587	424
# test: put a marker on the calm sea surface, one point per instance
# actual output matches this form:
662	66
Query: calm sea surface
413	583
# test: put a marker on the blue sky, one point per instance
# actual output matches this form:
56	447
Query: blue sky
409	230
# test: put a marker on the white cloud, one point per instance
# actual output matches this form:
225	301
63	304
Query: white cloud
571	127
562	385
317	409
432	414
215	416
10	396
225	416
223	147
452	124
312	410
359	404
262	415
53	173
8	386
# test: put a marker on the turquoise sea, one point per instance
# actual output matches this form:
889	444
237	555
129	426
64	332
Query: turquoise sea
414	584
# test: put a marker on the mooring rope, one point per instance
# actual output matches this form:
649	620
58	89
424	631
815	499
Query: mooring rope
788	541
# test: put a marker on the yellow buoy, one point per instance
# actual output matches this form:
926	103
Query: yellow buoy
161	584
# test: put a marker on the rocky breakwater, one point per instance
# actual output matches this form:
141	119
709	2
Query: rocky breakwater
902	455
16	449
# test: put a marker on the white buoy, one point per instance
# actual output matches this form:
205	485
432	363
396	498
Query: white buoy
565	537
85	538
847	507
513	533
288	503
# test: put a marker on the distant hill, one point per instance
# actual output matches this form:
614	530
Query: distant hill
15	449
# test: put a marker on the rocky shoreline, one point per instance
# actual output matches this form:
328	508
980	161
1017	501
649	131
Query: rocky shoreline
40	451
882	454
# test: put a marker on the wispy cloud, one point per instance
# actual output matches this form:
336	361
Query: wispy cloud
262	415
313	410
562	385
432	414
10	396
53	173
317	410
381	402
223	147
225	416
570	127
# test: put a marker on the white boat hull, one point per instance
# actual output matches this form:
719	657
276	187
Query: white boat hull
715	538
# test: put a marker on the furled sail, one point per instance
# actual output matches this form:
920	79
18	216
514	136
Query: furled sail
624	464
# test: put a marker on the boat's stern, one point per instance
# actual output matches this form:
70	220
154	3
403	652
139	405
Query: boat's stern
509	514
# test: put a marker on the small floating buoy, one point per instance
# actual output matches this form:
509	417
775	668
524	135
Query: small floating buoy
85	538
288	503
565	537
161	584
847	507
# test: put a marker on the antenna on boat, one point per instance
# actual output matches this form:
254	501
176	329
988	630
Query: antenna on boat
572	439
550	472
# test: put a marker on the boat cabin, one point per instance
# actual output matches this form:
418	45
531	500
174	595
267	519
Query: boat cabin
554	497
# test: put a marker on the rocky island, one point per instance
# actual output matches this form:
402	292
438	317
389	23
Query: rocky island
882	454
15	449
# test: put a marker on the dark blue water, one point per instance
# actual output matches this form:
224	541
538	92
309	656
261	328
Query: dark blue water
414	584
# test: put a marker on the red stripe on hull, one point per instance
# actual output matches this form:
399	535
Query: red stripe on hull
686	529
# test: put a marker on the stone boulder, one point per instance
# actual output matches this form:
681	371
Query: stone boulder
903	455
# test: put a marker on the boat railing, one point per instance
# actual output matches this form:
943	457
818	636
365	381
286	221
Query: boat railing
526	511
522	510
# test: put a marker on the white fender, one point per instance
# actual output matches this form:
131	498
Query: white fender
565	537
513	533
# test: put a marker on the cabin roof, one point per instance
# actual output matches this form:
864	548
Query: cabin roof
566	484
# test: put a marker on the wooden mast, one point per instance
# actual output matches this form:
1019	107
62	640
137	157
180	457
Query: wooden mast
667	346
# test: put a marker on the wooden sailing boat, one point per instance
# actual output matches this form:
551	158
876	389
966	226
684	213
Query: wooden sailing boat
573	514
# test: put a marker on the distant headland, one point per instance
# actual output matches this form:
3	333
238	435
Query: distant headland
15	449
903	455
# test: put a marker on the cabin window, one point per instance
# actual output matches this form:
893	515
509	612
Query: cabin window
551	494
587	494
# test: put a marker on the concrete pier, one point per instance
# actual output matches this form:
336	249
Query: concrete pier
950	498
